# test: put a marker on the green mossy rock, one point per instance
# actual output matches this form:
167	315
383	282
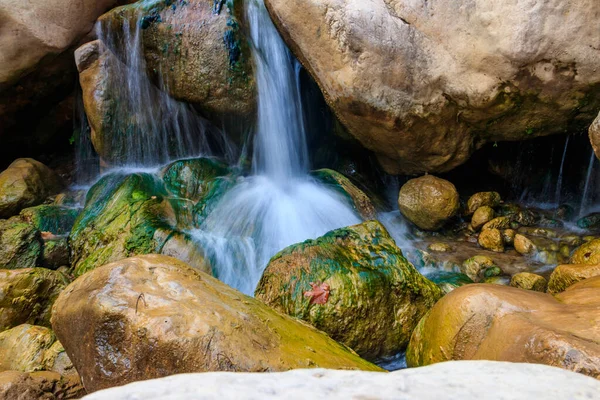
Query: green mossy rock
26	183
121	218
376	296
588	253
475	265
448	280
27	295
193	179
428	202
529	281
20	244
29	348
56	252
482	199
362	203
51	218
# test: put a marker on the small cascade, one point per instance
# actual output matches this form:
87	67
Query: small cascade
587	194
280	204
560	173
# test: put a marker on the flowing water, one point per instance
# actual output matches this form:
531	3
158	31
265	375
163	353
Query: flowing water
586	190
280	204
560	173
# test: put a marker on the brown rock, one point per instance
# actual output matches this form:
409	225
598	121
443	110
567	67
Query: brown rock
566	275
475	265
44	385
151	316
524	245
428	202
483	199
529	281
508	235
482	216
588	253
497	223
491	239
500	323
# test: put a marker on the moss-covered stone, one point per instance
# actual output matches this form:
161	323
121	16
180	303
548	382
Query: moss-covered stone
448	280
193	178
481	199
529	281
440	247
51	218
20	244
508	236
56	252
27	295
497	223
428	202
491	239
567	275
26	183
475	265
179	320
29	348
588	253
362	203
482	216
375	297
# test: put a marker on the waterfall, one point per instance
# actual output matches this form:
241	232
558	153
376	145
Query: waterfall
280	204
586	190
560	173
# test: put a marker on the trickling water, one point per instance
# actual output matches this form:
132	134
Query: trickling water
560	173
586	190
281	204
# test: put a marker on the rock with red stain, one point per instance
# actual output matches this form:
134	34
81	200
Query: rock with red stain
373	297
319	293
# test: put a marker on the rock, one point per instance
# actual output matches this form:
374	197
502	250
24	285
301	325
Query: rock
590	222
526	218
491	239
497	223
588	253
483	199
29	348
509	324
475	265
497	280
51	218
450	80
39	385
594	133
492	272
564	212
197	52
524	245
192	178
482	216
428	202
440	247
378	295
56	252
150	316
25	183
362	203
567	275
547	233
125	215
448	281
20	244
467	380
529	281
508	236
27	295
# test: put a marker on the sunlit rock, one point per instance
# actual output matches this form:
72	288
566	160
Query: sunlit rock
529	281
588	253
491	239
567	275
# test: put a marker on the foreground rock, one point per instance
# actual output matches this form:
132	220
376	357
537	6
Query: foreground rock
25	183
354	284
466	380
507	324
567	275
39	385
27	296
428	202
152	316
452	78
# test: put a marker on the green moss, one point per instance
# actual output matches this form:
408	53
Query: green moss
20	244
51	218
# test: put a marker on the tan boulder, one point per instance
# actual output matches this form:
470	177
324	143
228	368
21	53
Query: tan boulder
566	275
428	202
27	295
524	245
26	183
588	253
424	84
491	239
15	385
482	216
151	316
529	281
491	322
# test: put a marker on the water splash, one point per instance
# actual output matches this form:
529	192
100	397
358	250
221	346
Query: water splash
280	204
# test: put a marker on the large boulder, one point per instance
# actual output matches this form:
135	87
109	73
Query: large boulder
39	385
567	275
354	284
29	348
151	316
493	322
27	295
127	215
340	183
428	202
25	183
20	244
424	84
466	380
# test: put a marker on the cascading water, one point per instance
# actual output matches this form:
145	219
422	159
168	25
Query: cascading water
560	173
586	189
280	204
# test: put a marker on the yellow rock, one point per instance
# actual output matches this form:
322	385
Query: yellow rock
529	281
482	216
491	239
566	275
